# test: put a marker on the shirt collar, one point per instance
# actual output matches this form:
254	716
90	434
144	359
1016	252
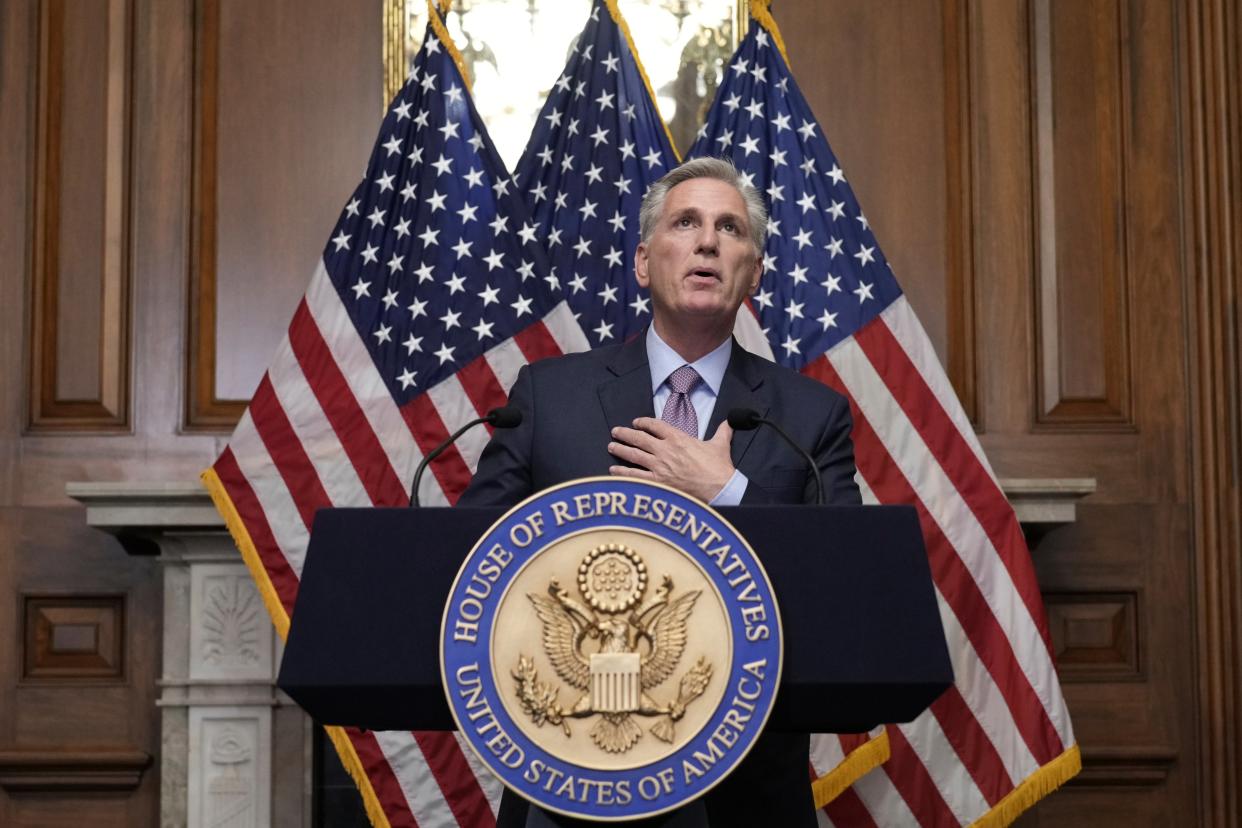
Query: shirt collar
663	360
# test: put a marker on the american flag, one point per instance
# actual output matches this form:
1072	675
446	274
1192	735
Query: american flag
433	291
830	307
597	145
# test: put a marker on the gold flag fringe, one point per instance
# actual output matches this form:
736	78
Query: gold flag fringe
280	619
353	766
1034	788
241	537
862	759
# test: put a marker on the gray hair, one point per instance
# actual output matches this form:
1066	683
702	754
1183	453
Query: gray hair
719	169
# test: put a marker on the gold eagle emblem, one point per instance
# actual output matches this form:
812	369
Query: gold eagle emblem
613	650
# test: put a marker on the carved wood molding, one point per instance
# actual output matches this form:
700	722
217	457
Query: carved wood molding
1097	635
73	638
1081	228
1126	767
47	770
1213	250
960	362
205	411
81	236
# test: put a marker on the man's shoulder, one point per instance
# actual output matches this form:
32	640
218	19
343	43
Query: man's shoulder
790	382
577	364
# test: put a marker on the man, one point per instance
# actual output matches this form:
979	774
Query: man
702	231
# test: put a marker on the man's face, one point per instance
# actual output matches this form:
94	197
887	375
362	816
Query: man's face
700	263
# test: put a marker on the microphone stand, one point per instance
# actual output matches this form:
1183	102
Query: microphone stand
436	452
506	416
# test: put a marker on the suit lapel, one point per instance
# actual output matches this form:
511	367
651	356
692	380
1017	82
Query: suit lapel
742	387
626	394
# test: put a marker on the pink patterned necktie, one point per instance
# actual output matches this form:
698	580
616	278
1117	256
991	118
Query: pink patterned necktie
678	412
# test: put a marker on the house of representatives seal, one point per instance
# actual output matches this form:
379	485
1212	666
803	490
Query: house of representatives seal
611	649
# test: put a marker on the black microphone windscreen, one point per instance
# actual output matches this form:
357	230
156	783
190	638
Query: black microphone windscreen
743	419
507	416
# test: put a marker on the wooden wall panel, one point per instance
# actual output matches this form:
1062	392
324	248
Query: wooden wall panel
1081	108
205	408
66	811
80	328
274	164
1104	115
1052	136
960	204
97	100
1095	635
891	85
1212	86
78	729
70	637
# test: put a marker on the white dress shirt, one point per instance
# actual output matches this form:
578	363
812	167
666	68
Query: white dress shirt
663	360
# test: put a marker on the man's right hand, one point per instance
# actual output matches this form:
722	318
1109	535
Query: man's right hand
665	454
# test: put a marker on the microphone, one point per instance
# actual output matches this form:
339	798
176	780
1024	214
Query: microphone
507	416
748	419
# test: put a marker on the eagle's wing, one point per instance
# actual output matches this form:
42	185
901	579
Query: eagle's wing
561	636
668	640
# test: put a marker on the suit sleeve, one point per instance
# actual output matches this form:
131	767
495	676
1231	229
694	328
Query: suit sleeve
834	455
503	477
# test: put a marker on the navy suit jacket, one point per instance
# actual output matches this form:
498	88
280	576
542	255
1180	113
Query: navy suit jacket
570	404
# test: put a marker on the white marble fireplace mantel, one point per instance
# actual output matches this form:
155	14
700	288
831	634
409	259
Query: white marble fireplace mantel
234	750
149	508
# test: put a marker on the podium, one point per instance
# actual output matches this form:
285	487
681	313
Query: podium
863	640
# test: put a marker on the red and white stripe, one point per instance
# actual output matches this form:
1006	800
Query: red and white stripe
828	750
1005	717
323	430
749	334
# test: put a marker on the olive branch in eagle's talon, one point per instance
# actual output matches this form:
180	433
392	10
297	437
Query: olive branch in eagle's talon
538	697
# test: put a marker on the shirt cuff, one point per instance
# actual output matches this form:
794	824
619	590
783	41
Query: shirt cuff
731	494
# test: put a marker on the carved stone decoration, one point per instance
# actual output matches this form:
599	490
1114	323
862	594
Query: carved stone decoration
231	621
230	634
230	796
230	767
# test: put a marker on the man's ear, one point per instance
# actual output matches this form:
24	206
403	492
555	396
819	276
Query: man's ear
640	266
756	275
